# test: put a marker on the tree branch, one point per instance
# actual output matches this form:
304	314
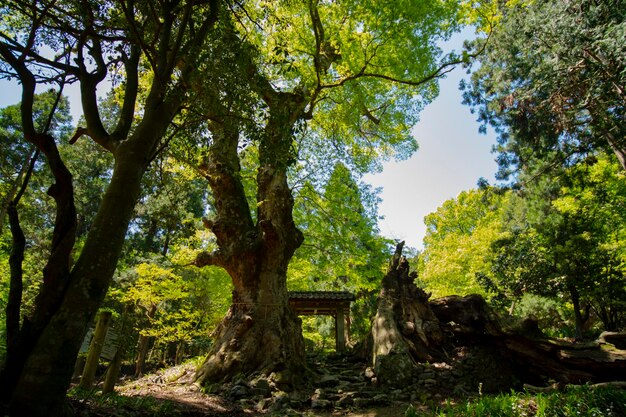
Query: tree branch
216	258
125	120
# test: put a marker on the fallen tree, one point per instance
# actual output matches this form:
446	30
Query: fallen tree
409	329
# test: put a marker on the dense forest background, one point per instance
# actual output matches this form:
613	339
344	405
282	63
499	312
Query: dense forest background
224	165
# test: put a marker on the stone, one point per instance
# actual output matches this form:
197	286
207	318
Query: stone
344	401
282	380
238	391
318	394
321	404
242	382
328	381
381	399
262	405
362	402
262	387
280	397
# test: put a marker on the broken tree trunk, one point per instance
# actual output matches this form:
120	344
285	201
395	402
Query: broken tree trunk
405	330
409	329
471	321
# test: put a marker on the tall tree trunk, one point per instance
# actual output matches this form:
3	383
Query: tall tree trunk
260	333
45	368
14	301
142	345
580	318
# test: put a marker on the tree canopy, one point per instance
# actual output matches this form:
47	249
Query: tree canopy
552	81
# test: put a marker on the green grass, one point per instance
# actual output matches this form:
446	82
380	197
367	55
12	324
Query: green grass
580	401
127	406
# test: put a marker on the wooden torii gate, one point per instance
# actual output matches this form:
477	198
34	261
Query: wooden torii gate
326	303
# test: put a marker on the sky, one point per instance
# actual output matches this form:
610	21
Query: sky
452	156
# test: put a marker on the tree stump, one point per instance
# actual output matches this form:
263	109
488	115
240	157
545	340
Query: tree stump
405	330
408	329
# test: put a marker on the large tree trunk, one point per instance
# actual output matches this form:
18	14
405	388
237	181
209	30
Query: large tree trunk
260	332
409	329
405	330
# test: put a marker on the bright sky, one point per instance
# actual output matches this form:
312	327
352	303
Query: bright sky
451	158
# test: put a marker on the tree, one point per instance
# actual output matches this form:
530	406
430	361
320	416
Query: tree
457	245
351	76
92	40
564	240
552	81
342	250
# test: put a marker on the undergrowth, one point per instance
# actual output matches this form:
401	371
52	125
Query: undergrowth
580	401
124	406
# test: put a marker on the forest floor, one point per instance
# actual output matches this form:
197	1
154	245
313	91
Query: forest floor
341	388
344	386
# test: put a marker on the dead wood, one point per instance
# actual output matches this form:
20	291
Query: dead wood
408	329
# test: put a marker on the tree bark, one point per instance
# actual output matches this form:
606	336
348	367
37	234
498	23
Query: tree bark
142	345
405	330
260	333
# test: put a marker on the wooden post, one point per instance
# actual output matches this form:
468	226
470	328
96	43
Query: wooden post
340	336
78	367
113	372
116	363
95	349
348	323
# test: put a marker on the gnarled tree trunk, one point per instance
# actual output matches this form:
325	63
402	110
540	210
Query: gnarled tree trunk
405	330
260	333
409	329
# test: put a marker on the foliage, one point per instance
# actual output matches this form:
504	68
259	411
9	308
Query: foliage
552	81
457	245
573	401
345	55
342	250
552	314
189	302
564	239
